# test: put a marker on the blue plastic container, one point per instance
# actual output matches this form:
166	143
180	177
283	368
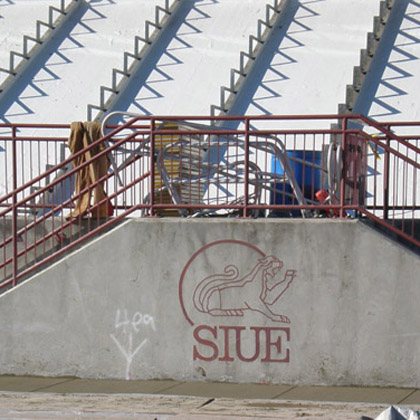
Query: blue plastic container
307	176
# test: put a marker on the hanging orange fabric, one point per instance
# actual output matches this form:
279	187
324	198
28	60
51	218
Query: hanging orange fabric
81	136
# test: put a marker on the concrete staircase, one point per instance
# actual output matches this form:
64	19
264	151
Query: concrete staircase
156	33
374	57
408	226
266	28
41	242
36	48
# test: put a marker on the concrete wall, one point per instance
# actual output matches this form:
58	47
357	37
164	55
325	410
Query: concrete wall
278	301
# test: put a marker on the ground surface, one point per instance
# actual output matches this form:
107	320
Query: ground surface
125	406
23	397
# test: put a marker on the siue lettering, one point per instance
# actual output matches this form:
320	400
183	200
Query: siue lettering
226	344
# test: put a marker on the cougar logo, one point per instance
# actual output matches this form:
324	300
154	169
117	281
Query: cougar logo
232	295
229	295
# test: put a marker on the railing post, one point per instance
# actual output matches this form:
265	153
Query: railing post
386	179
246	175
343	168
152	163
14	210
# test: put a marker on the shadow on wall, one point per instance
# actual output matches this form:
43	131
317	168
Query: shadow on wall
26	86
103	2
276	52
6	3
153	68
381	84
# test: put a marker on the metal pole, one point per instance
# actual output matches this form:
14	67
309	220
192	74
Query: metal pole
246	175
152	163
386	178
14	210
343	169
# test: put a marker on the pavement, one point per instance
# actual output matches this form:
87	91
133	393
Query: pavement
73	398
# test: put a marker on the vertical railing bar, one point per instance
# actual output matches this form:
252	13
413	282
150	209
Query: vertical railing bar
375	183
6	167
152	165
343	168
246	175
394	163
14	209
386	178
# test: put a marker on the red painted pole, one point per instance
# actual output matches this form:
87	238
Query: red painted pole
246	175
14	209
343	170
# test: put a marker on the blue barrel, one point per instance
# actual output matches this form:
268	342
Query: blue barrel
308	177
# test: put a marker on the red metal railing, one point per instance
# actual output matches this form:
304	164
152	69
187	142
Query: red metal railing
200	166
393	184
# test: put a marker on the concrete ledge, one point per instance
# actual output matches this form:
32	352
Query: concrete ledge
280	302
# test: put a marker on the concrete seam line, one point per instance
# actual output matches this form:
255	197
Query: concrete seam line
49	386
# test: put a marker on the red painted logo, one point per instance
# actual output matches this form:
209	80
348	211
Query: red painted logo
229	282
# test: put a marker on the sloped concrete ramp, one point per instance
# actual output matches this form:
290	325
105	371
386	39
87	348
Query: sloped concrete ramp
267	301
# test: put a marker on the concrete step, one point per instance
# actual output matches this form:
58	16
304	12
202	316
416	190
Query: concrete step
410	227
34	236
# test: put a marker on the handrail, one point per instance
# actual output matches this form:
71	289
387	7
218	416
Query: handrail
60	179
137	160
67	161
